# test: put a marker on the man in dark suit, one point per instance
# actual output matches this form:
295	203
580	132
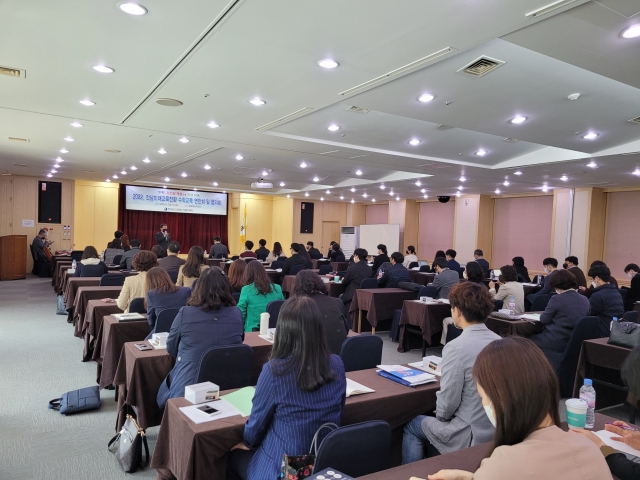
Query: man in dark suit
445	279
550	266
294	259
571	264
163	237
127	257
451	260
606	301
478	255
172	261
355	274
263	252
633	292
395	274
314	253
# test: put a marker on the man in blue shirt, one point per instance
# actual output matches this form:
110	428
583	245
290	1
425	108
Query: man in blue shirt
479	256
550	266
395	274
451	260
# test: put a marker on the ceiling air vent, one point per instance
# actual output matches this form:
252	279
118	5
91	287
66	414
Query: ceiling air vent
353	108
444	127
241	170
481	66
12	72
510	140
18	139
169	102
635	120
112	151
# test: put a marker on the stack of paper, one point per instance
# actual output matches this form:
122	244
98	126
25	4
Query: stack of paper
223	409
534	317
606	436
405	376
127	317
355	388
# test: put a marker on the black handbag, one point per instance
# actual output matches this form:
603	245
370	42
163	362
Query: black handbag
127	446
625	334
77	401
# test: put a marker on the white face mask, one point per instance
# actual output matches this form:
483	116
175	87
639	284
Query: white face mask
630	275
594	284
464	274
489	411
454	320
546	270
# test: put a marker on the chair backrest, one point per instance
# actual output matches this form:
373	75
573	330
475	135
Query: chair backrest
277	264
413	265
309	265
112	280
295	269
426	291
165	320
369	283
228	367
425	269
316	256
235	257
221	255
137	306
587	328
273	309
33	252
356	450
262	257
76	255
324	269
623	293
173	274
249	259
116	259
461	272
92	271
361	352
631	316
236	296
340	258
540	303
521	279
193	285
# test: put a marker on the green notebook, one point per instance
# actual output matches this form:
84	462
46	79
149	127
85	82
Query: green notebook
241	399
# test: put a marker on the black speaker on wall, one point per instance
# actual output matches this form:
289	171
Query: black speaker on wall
49	202
306	217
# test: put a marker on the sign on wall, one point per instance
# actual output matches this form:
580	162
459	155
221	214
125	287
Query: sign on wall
153	199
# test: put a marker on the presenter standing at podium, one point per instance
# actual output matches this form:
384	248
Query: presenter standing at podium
163	237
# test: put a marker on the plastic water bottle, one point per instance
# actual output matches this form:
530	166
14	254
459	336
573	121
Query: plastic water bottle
512	305
73	265
588	394
614	319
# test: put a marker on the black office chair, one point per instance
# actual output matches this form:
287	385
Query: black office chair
137	306
173	274
193	285
165	320
623	293
356	450
309	265
273	309
316	256
369	283
413	265
587	328
340	258
262	257
425	269
250	259
228	367
631	316
92	271
221	255
461	272
324	269
112	280
296	269
235	257
428	291
540	303
277	264
76	255
361	352
236	296
117	259
521	279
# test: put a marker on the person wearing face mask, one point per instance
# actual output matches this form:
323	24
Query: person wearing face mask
587	292
445	279
550	268
520	396
410	256
560	317
606	301
163	237
571	264
633	292
472	273
460	420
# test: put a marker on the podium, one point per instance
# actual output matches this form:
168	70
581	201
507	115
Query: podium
13	257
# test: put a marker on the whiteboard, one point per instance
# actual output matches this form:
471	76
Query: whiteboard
373	235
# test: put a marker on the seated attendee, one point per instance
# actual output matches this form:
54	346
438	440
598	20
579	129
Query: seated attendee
210	319
336	253
519	392
126	244
410	256
633	292
330	248
518	263
550	266
236	275
587	292
606	301
162	294
355	274
275	254
314	253
509	288
218	250
262	252
256	294
439	253
571	264
472	273
248	247
619	464
192	268
294	259
300	389
445	279
40	242
172	262
116	242
135	286
302	251
127	257
395	274
334	323
158	250
451	260
379	259
90	264
562	314
460	421
479	256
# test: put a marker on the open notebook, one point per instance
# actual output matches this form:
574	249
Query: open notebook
355	388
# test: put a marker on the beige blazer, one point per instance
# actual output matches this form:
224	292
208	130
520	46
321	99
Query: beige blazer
546	454
510	288
187	281
134	287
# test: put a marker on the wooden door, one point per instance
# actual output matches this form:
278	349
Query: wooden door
330	231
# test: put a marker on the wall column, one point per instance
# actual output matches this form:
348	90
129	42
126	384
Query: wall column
473	227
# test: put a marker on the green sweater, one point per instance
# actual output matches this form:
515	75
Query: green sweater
252	304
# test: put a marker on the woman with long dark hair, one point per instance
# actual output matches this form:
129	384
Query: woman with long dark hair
520	395
275	254
256	294
90	265
193	268
236	274
162	294
301	388
210	319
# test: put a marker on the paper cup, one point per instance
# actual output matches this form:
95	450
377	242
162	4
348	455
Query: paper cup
264	325
576	412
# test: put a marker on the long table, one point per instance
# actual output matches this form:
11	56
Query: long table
114	335
379	303
334	289
188	451
96	311
427	316
83	296
506	328
422	278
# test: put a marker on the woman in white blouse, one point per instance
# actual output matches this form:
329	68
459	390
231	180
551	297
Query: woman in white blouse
275	254
509	287
135	286
410	256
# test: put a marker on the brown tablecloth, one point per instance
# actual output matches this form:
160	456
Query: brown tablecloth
598	353
114	335
185	450
505	328
318	262
421	278
215	262
427	316
379	303
58	276
334	289
83	295
140	373
72	286
92	326
339	266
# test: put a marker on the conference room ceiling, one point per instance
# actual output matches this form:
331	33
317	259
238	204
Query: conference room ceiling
216	55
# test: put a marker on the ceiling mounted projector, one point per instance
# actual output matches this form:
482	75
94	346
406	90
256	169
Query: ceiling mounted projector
443	199
261	183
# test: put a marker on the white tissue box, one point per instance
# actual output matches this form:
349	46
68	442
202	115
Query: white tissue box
202	392
160	339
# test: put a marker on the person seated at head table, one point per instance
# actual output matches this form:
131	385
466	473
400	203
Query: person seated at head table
395	274
116	242
355	274
509	286
606	301
332	316
162	295
550	266
172	262
90	258
562	314
314	253
619	464
135	286
445	279
295	259
256	294
460	420
301	388
518	264
126	244
158	250
262	252
410	256
587	292
479	256
450	255
379	259
210	319
633	292
128	255
248	247
336	253
218	250
276	253
520	396
40	242
571	264
192	268
236	274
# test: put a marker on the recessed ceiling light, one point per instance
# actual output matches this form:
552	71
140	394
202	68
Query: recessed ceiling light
328	63
132	8
108	180
115	176
463	178
358	172
316	179
590	136
146	160
545	188
162	151
506	183
207	167
306	194
498	191
457	194
353	201
303	165
632	32
212	125
592	164
239	157
54	171
425	98
636	171
69	139
519	119
481	153
418	183
414	142
77	124
224	191
103	69
373	200
328	192
518	172
398	198
167	179
391	194
322	199
265	173
423	190
257	102
341	197
215	184
382	187
183	174
59	159
134	168
164	186
49	175
365	195
282	184
195	189
87	103
123	172
353	189
183	140
288	196
426	196
564	178
64	150
333	128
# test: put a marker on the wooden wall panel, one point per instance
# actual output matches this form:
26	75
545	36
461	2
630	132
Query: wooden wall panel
485	226
322	212
597	228
411	224
259	220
